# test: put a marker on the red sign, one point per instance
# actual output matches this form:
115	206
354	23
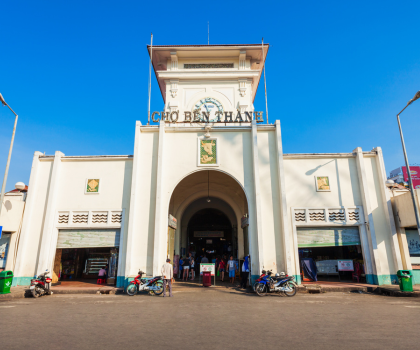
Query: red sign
345	265
415	175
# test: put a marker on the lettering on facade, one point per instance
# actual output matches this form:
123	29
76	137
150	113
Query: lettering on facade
203	117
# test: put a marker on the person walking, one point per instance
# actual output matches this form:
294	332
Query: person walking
245	272
168	274
232	269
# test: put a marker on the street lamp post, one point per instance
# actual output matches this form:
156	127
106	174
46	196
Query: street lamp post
3	187
410	180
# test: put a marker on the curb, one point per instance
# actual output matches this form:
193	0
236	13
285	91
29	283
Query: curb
397	293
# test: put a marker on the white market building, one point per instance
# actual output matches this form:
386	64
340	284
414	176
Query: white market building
225	180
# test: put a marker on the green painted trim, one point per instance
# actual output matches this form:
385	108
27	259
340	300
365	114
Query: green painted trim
327	245
254	278
21	281
297	279
416	276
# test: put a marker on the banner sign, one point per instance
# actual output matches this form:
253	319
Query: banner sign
345	265
415	175
1	230
208	267
204	117
413	241
327	236
244	221
172	222
208	234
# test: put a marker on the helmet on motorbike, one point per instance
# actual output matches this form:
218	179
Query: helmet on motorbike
277	274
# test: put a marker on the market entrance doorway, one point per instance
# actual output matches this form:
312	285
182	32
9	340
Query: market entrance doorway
211	233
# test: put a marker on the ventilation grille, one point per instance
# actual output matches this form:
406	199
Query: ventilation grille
101	218
316	215
300	215
116	218
354	215
80	218
337	215
63	218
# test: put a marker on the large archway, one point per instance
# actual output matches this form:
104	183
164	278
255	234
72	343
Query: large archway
208	206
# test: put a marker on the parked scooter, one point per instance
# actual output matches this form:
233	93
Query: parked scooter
41	285
254	286
280	283
139	284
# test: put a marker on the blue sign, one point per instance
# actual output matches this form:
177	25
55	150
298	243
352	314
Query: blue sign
1	230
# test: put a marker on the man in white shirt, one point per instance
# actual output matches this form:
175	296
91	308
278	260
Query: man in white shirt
167	274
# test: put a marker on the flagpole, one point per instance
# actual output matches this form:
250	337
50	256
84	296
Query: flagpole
150	77
265	84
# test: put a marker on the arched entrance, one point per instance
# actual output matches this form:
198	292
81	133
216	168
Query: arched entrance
208	206
210	233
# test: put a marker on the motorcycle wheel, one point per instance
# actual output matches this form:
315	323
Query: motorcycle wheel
261	290
36	293
132	290
160	285
293	287
254	287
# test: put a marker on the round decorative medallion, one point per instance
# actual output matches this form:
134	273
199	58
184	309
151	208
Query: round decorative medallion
208	105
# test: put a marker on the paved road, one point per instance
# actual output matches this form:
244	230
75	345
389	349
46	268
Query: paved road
211	319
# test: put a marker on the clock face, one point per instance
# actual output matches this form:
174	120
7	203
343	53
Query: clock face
210	106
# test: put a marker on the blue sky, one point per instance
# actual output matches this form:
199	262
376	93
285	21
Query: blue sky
76	72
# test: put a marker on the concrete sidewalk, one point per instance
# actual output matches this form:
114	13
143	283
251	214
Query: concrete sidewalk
80	287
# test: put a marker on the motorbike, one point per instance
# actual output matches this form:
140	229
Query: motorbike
263	273
139	284
277	284
41	285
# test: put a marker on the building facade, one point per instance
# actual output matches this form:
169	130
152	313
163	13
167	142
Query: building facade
209	163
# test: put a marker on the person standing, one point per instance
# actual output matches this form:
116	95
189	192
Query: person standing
204	260
192	268
222	268
186	268
168	274
245	272
232	269
181	261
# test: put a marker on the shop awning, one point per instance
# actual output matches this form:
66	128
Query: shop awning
88	238
327	236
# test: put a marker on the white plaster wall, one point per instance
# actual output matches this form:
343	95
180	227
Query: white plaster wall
383	234
300	182
300	185
30	248
12	211
142	257
115	184
270	202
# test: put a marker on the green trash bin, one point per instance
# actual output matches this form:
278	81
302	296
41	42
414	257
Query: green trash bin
405	279
6	278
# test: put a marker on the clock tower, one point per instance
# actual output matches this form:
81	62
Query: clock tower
208	80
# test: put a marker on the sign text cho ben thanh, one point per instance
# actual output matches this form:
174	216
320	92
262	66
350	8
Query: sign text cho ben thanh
204	117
